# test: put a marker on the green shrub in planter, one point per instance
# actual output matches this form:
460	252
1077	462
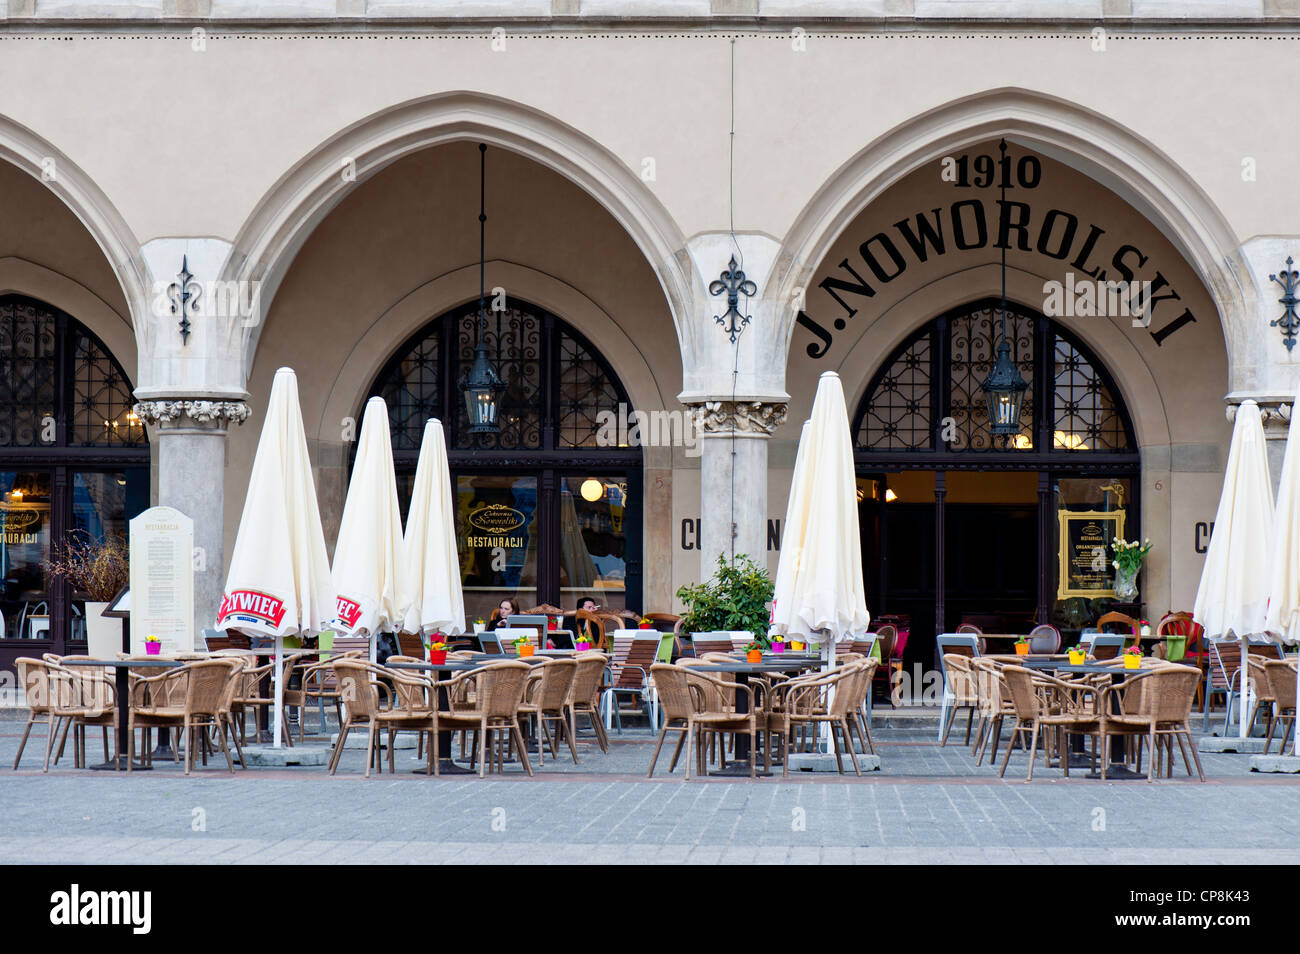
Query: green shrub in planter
735	599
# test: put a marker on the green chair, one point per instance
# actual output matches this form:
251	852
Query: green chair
666	644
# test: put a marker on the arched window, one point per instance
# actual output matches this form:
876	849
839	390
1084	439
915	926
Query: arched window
73	458
927	400
559	468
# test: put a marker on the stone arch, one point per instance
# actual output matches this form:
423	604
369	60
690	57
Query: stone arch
406	316
1113	155
286	215
41	159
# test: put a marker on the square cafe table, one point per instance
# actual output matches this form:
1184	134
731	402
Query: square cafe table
122	688
445	764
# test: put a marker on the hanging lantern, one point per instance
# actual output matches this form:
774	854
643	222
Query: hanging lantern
1004	389
483	390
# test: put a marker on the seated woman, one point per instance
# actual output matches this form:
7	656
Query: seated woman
501	615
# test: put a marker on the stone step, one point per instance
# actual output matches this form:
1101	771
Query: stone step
300	754
1288	764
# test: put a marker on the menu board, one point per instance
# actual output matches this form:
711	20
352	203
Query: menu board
162	580
1086	553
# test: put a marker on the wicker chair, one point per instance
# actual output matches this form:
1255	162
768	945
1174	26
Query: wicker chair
544	698
965	690
1265	698
679	700
500	692
89	701
1040	703
717	713
1156	706
34	676
205	686
359	688
584	695
412	710
592	626
806	704
1282	679
1045	639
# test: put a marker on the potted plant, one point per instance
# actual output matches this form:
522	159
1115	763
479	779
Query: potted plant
1133	657
97	570
778	644
1077	655
1144	628
582	644
796	645
479	626
1129	555
437	650
754	652
645	623
524	646
152	645
1022	646
735	599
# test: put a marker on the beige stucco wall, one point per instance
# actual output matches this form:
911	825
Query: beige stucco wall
162	140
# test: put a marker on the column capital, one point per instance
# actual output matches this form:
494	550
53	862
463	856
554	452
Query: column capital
1274	411
188	413
752	418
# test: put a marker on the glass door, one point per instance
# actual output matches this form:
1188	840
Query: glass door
498	534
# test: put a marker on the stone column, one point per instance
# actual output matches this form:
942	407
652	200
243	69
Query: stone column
733	477
190	437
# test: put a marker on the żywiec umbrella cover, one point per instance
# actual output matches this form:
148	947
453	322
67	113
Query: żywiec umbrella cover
435	601
279	582
819	578
1233	593
368	570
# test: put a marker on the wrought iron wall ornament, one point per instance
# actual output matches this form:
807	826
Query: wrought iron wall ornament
1289	322
734	283
183	294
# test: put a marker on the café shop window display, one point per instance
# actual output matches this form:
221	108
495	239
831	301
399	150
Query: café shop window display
73	458
546	511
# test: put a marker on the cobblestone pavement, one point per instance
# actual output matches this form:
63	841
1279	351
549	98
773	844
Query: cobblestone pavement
927	805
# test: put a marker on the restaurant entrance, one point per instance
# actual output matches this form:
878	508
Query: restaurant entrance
958	527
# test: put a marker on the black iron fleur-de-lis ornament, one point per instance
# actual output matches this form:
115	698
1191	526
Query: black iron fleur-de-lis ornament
735	284
184	295
1289	322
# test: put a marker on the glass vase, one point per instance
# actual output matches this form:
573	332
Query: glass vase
1126	587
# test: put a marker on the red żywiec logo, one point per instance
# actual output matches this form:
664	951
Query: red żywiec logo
250	603
348	611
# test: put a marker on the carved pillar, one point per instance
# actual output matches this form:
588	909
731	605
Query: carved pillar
190	439
733	477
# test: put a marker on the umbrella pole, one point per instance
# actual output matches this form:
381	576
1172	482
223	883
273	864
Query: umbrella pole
828	639
1244	685
279	692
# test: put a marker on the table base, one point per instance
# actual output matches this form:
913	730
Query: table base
1118	773
447	767
118	764
739	770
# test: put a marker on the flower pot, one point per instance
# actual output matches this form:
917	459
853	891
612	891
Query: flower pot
778	647
552	625
437	656
796	645
1077	659
582	646
1022	649
478	628
527	649
1132	662
645	626
103	633
152	649
754	656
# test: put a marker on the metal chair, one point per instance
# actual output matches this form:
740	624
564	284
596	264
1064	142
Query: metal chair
963	644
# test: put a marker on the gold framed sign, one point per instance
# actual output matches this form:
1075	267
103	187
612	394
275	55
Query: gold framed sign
1085	552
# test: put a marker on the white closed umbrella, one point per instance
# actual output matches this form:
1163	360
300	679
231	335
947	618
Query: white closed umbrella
368	574
435	602
1283	617
819	577
279	583
1233	593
